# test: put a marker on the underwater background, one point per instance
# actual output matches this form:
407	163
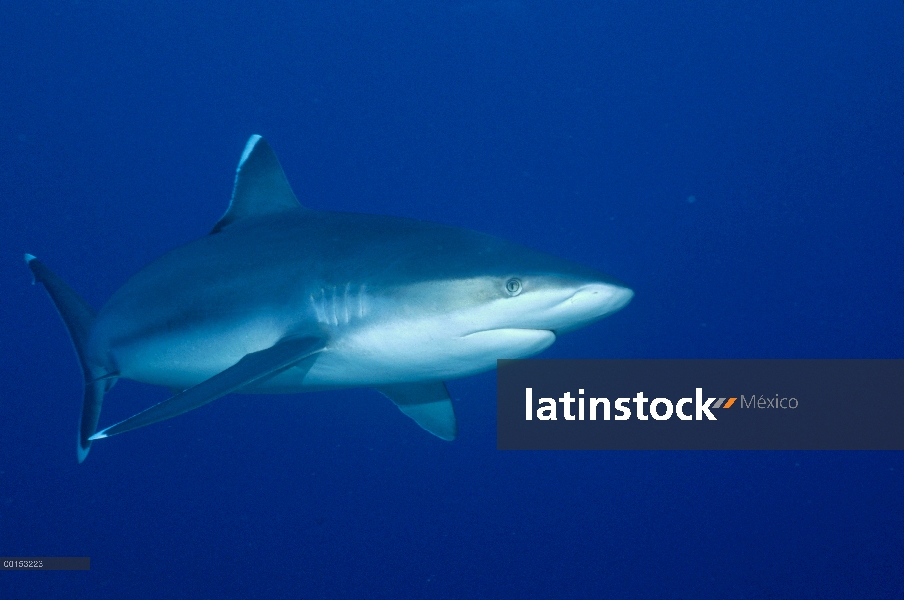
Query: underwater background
739	164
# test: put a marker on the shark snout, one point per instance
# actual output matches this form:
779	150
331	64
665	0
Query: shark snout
606	297
590	302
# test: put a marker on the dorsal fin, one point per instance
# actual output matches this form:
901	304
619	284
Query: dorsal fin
261	187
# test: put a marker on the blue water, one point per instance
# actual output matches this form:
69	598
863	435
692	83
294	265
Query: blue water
739	164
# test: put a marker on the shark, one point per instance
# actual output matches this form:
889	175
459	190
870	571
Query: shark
280	298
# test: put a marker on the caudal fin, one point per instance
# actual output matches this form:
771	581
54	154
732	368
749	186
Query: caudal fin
78	317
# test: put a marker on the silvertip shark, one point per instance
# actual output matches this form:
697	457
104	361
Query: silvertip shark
279	299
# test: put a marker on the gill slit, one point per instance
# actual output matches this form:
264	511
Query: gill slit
332	307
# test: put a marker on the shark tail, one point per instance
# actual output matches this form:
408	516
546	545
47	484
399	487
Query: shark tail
78	317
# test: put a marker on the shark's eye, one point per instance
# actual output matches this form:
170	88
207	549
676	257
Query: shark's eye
513	286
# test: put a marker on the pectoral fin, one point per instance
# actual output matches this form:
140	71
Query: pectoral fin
426	402
299	352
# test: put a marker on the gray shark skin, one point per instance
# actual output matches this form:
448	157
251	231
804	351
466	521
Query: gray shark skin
279	298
